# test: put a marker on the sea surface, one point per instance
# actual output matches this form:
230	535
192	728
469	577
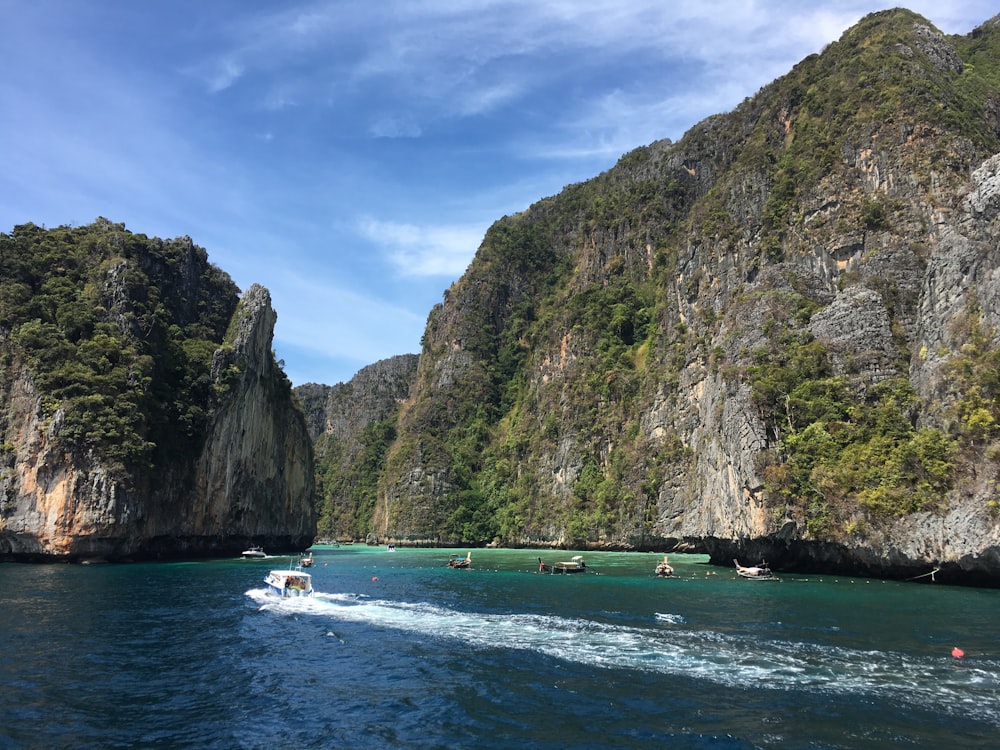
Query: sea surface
396	650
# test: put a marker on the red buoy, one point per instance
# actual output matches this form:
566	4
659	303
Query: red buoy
957	652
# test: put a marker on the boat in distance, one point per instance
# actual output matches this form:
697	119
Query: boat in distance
755	572
576	565
288	583
664	569
253	552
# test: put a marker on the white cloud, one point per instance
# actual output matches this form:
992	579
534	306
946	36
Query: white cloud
449	53
484	99
415	250
222	74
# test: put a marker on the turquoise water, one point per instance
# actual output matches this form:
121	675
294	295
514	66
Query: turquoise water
398	651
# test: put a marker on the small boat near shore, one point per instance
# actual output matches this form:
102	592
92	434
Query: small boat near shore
288	583
755	572
460	562
253	553
664	569
576	565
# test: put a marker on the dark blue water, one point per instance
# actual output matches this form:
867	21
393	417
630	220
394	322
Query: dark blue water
194	656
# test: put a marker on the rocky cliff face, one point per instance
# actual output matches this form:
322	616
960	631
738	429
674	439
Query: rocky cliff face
946	270
53	504
255	479
637	362
354	424
241	474
372	395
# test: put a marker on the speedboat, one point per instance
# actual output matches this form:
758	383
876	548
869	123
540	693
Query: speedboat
288	583
253	552
306	561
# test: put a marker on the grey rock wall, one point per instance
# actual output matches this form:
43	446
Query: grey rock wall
252	484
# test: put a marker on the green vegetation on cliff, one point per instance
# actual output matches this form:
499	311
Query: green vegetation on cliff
347	490
117	332
642	345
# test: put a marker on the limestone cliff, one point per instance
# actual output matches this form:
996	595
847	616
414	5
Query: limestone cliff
775	337
124	435
255	478
353	424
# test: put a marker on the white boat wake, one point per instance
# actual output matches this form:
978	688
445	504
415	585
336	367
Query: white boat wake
969	688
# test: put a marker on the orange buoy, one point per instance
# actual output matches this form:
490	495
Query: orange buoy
374	578
957	652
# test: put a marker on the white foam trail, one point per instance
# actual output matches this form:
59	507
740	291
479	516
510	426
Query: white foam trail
735	660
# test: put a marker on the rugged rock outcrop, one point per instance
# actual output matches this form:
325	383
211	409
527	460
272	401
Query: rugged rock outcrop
255	475
353	424
232	469
672	354
372	395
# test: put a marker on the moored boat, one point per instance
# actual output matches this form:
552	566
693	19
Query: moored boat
576	565
254	552
664	569
460	562
306	561
288	583
755	572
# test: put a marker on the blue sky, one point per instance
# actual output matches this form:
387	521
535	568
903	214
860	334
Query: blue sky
350	155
